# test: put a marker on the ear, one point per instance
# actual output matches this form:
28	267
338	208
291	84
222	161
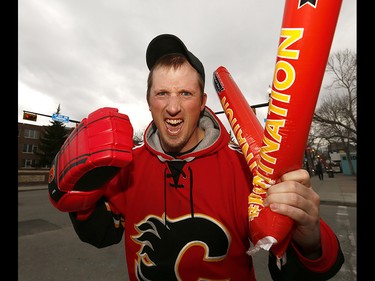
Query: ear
204	101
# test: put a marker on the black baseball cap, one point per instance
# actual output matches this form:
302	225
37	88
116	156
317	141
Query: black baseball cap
166	44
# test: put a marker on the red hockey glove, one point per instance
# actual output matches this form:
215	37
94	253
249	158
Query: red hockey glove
92	154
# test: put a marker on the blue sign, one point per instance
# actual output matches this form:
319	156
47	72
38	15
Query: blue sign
60	118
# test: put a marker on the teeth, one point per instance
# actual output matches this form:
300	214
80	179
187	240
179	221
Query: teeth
173	121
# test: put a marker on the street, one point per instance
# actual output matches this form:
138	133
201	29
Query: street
49	249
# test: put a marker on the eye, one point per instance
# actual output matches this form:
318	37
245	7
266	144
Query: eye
161	94
186	94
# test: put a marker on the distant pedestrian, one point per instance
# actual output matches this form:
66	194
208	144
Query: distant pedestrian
319	170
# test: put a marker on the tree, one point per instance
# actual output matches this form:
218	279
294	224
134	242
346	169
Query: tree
335	120
51	141
138	137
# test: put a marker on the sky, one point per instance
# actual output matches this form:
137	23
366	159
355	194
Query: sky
88	54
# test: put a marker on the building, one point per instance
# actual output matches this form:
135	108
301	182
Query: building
339	159
345	163
29	137
28	141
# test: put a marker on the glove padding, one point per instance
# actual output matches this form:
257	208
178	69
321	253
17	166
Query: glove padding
92	154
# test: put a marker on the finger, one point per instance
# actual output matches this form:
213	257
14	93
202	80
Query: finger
301	176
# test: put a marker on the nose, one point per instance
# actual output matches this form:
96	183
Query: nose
174	104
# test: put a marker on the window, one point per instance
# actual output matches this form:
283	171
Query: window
29	148
31	134
29	163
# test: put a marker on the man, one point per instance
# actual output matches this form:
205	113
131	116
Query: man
319	170
179	199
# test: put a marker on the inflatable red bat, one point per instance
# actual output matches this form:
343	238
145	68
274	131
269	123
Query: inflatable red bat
245	125
249	134
305	40
306	36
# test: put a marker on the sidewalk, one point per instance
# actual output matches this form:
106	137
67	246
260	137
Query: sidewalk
339	190
32	187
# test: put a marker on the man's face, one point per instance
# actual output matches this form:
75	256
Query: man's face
175	103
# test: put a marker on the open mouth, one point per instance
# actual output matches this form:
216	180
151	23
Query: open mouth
174	126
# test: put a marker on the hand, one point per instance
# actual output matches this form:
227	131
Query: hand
294	197
92	154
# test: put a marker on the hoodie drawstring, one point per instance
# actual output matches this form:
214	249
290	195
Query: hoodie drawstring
176	168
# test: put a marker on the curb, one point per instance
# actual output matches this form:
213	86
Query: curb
337	203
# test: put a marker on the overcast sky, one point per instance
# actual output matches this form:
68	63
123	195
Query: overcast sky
88	54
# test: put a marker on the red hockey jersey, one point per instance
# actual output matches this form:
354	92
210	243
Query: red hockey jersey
186	216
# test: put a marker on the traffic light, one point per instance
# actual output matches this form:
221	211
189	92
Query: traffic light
29	116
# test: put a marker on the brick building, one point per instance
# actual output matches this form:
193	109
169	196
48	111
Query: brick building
29	137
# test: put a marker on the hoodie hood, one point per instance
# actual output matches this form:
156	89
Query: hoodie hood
215	137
